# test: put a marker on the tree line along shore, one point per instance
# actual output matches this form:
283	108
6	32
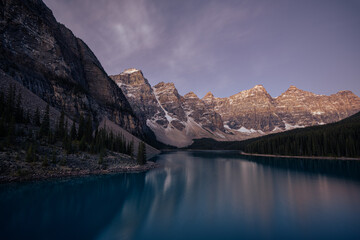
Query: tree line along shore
33	148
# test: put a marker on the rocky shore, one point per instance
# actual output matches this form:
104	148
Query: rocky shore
15	168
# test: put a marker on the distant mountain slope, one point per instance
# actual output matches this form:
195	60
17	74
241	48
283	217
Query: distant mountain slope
255	110
175	119
180	120
340	139
49	60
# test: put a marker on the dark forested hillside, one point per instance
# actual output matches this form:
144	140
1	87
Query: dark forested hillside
211	144
340	139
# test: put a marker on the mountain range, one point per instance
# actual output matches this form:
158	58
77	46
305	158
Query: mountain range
48	60
177	120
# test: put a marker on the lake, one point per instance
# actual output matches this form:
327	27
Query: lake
193	195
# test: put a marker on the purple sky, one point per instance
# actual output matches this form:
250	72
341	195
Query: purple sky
224	46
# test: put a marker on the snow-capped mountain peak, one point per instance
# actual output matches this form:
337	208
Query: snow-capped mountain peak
177	120
130	71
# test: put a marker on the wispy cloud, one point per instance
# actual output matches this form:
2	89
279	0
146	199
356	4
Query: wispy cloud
114	30
137	26
204	45
202	36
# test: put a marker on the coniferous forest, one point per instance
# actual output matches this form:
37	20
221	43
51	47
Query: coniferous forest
21	130
341	139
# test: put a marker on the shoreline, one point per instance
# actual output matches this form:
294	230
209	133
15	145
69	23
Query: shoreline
307	157
55	163
78	173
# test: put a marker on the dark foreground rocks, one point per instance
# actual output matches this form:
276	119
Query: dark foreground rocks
14	166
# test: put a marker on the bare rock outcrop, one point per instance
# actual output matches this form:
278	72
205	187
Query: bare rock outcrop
176	119
46	57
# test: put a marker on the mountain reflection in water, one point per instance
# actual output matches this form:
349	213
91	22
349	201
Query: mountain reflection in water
193	195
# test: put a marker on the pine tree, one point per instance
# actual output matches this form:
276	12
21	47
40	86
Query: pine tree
144	152
53	156
11	132
131	148
51	137
141	156
10	102
60	129
19	112
2	104
30	154
81	127
27	117
88	129
93	142
67	144
66	128
2	127
82	145
101	156
45	124
36	119
73	133
45	162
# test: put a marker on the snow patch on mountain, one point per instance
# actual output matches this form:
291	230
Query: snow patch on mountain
289	126
130	71
276	129
317	113
167	116
245	130
227	127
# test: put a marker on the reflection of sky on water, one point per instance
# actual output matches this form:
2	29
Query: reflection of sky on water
193	195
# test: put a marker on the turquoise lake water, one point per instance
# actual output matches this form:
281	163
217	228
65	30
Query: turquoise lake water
193	195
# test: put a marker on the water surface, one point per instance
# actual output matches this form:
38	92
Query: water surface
194	195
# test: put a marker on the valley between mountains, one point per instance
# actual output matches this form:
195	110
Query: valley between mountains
176	120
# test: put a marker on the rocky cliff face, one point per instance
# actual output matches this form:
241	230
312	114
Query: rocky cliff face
140	94
176	119
250	109
48	59
202	114
302	108
255	110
